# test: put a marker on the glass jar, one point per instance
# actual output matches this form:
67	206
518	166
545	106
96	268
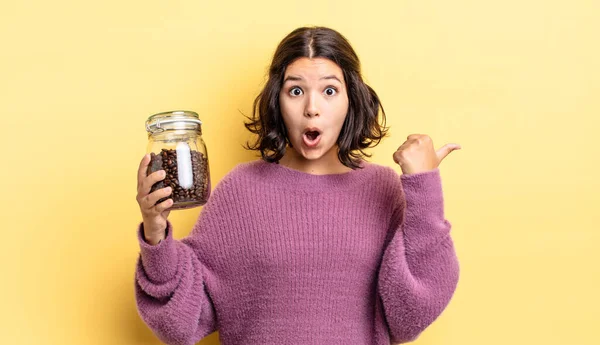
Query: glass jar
175	145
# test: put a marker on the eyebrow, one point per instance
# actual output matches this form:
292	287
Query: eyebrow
296	78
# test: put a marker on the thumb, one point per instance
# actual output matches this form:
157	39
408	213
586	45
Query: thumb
445	150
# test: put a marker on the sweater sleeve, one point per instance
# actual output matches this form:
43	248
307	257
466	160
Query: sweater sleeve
170	287
419	270
170	291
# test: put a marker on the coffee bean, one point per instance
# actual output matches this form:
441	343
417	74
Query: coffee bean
156	164
198	193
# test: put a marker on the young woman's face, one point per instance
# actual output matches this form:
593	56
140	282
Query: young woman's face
314	104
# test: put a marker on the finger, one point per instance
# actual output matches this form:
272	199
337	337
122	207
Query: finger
406	144
445	150
143	168
150	180
163	206
151	199
396	157
414	136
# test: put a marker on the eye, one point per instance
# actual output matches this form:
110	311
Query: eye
330	91
295	91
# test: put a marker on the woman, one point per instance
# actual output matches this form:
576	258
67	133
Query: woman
310	244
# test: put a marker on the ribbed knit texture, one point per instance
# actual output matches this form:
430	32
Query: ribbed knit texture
278	256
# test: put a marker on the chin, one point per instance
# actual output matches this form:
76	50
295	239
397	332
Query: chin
312	156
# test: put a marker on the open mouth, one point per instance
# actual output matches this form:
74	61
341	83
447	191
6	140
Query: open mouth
312	137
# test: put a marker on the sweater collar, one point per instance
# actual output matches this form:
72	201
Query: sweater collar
289	178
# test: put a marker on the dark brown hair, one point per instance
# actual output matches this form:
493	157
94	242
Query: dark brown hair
361	128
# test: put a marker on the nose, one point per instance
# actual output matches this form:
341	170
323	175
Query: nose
312	106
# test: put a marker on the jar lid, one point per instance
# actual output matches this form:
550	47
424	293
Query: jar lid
177	119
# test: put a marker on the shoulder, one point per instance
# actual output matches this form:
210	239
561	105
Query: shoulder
243	171
386	182
240	175
231	189
383	175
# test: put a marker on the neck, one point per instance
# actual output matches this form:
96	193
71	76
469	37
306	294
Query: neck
327	164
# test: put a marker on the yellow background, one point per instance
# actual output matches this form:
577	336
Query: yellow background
516	83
